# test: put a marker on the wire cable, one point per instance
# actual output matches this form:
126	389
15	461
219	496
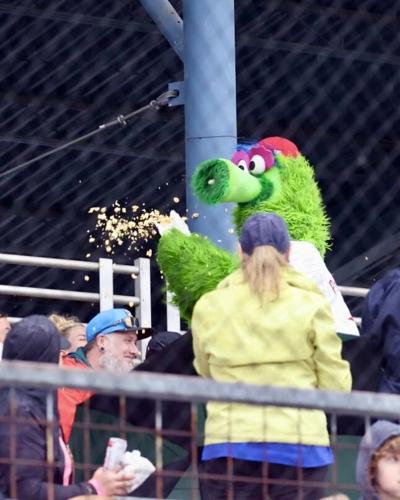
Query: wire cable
122	120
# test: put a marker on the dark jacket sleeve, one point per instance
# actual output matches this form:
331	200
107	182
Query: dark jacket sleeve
31	479
381	321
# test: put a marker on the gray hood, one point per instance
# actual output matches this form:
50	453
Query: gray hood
376	435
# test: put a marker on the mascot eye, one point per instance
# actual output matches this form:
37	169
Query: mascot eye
261	159
243	165
241	159
257	164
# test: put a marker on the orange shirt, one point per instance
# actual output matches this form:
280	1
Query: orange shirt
69	398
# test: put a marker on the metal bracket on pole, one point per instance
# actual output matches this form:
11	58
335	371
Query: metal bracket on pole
178	87
106	284
143	292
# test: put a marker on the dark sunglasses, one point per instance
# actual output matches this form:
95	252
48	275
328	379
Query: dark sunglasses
130	322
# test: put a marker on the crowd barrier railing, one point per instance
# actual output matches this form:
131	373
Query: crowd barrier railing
161	390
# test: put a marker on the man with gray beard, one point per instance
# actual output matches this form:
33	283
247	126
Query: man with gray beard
112	336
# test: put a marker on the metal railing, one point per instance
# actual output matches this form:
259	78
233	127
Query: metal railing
197	390
193	390
106	269
106	297
352	291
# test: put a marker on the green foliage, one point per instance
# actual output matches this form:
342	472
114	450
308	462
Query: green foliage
193	266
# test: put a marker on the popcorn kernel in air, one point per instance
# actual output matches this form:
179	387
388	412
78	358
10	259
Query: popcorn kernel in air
86	277
117	228
176	199
149	253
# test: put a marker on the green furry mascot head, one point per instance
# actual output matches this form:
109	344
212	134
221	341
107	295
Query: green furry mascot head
270	176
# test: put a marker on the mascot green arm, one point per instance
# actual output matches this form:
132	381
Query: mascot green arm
192	266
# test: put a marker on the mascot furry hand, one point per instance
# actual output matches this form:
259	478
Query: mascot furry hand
270	176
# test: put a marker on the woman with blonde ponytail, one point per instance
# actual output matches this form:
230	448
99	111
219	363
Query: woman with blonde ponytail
72	329
267	324
262	271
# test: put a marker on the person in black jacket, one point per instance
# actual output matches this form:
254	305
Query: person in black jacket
381	324
23	431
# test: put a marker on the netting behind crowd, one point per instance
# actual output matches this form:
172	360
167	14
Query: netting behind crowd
322	73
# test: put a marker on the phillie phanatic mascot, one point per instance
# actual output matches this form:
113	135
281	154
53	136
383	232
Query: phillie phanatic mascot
269	176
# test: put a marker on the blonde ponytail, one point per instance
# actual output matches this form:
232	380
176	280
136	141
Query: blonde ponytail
262	271
64	323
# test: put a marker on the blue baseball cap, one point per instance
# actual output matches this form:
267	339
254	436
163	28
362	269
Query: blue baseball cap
264	229
115	321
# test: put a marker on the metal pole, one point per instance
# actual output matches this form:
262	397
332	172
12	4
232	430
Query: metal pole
81	265
168	22
210	104
173	316
106	284
143	292
188	388
50	293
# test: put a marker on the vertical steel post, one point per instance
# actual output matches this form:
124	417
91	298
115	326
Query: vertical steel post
173	316
210	104
106	284
143	292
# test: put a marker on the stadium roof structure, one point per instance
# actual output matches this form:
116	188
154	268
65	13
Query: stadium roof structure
323	73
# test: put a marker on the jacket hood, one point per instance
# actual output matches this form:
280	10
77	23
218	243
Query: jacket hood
380	303
35	338
380	322
79	355
374	438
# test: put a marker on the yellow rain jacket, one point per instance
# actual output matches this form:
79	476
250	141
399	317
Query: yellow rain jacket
290	342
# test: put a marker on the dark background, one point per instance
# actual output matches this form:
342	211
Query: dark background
323	73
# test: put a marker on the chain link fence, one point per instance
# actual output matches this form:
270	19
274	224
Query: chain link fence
322	73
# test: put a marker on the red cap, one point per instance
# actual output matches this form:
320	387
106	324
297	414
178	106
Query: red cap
286	147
